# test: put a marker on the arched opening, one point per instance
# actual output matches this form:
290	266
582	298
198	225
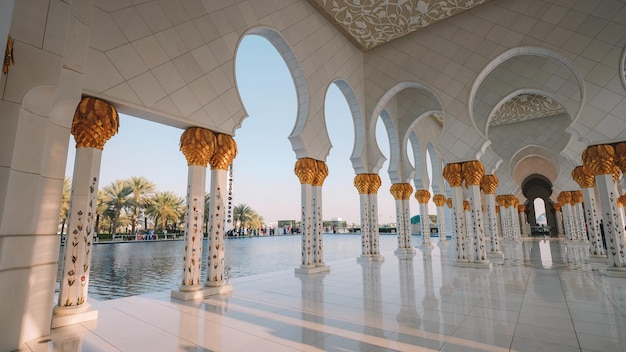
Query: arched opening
539	207
537	189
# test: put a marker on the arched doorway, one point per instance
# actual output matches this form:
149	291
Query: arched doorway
538	186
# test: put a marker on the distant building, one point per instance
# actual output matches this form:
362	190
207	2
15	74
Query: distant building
335	225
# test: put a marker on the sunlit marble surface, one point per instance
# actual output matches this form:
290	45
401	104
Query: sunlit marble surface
544	296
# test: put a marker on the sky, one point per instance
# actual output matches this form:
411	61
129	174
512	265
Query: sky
263	169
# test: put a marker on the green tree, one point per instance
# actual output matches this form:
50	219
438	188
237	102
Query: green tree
246	217
65	202
118	198
142	190
166	206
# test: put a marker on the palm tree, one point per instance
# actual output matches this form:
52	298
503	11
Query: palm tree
166	206
242	214
65	202
117	197
142	189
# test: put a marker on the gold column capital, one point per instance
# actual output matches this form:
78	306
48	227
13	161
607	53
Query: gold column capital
620	156
322	173
500	200
564	197
616	173
422	196
306	170
225	152
367	183
556	206
599	159
95	122
439	200
489	183
466	205
521	208
452	174
401	191
473	172
583	177
198	145
497	209
622	200
449	203
577	196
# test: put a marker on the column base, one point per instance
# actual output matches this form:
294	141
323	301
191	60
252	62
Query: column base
216	290
63	316
495	255
370	258
312	270
600	259
474	265
186	293
616	272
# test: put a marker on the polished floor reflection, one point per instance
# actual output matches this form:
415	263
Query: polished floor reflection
544	296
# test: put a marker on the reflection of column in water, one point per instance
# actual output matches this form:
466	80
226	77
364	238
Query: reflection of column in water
408	316
312	306
430	302
372	300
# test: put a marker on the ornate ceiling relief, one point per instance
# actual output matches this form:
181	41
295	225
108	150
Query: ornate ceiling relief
370	23
525	107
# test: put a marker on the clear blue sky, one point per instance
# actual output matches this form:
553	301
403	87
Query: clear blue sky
264	177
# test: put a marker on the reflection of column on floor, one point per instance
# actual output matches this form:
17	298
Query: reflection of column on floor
408	316
440	201
430	302
368	185
312	309
600	161
452	174
95	122
225	152
586	181
198	145
527	247
372	300
423	196
401	193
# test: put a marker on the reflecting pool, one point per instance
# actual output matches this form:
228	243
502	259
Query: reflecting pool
128	269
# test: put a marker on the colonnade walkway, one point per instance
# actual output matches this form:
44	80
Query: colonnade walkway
544	297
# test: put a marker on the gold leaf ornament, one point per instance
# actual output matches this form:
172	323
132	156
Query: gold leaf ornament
198	145
95	122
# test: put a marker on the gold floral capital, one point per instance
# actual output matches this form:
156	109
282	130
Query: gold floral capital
564	197
500	200
622	200
497	209
367	183
583	177
521	208
225	152
449	203
556	206
306	170
489	183
452	174
198	145
577	197
95	122
473	172
466	205
439	200
322	173
401	191
616	173
599	159
422	196
620	156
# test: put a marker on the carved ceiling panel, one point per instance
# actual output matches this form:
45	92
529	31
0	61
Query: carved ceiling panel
370	23
525	107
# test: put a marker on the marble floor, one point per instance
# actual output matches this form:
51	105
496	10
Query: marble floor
544	296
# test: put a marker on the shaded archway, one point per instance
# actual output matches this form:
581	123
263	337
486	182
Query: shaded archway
538	186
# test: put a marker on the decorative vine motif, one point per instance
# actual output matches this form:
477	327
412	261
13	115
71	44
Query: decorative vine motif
193	242
372	23
525	107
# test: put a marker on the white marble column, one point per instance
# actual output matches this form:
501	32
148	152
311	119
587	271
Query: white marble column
581	234
318	225
423	196
473	172
596	250
401	193
452	174
225	152
440	202
198	145
368	185
517	226
569	228
559	219
600	161
95	122
521	211
306	169
488	184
